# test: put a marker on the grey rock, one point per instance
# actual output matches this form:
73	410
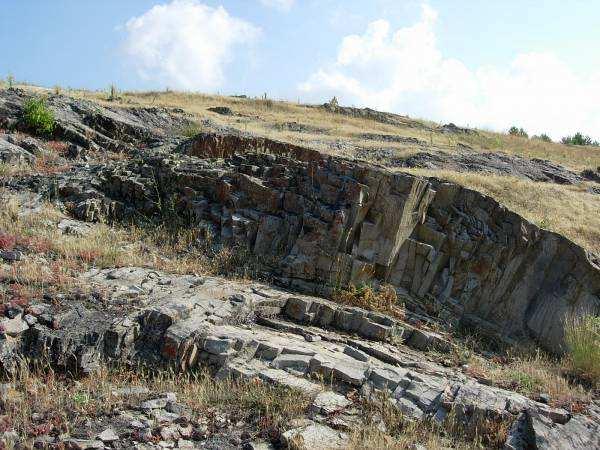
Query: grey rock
11	255
84	444
356	354
315	436
329	402
108	435
13	327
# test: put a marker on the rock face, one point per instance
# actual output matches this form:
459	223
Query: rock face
92	126
330	222
246	330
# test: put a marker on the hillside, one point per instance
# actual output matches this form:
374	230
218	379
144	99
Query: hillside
552	193
190	271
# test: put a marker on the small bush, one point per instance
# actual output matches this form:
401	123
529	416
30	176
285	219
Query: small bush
514	131
583	338
38	117
580	139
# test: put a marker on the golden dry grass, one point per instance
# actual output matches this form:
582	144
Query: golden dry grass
568	210
53	260
383	299
385	427
583	338
45	402
263	117
41	401
531	375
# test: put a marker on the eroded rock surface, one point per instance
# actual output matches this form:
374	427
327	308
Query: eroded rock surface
247	330
95	127
330	222
495	163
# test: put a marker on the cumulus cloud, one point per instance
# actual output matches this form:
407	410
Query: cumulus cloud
403	70
185	43
284	5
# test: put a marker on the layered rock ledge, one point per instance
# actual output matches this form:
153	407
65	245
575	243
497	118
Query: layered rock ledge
251	331
330	222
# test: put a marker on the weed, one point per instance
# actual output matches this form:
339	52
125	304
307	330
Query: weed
113	93
38	117
583	339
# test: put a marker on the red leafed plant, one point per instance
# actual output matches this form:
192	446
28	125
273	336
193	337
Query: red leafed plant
7	241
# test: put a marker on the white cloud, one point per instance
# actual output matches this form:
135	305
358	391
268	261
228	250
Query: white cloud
185	44
283	5
404	71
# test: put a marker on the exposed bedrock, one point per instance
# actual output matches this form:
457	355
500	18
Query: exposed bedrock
330	222
254	331
93	126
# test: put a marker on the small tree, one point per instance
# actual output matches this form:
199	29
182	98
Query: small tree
543	137
514	131
579	139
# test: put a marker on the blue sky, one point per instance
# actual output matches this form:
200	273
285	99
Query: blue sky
484	63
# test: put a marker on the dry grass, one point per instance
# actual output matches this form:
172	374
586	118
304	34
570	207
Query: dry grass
568	210
41	401
532	374
583	338
53	260
261	116
385	427
45	402
383	299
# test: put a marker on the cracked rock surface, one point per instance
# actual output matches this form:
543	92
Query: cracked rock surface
248	330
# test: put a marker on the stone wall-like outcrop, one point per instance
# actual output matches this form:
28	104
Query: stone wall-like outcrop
330	222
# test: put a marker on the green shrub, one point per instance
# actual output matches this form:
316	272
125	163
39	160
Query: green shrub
580	139
514	131
543	137
38	117
583	338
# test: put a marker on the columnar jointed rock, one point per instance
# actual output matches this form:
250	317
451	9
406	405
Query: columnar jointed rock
330	222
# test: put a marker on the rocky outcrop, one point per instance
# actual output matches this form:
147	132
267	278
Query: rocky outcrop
330	222
496	163
95	127
253	331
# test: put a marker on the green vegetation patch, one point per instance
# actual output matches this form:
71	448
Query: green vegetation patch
38	117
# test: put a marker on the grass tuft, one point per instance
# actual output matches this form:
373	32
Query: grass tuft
383	299
583	338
